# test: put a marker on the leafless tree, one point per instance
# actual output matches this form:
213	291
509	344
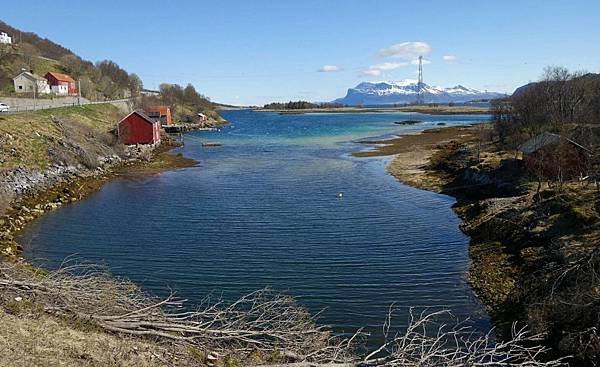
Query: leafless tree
564	94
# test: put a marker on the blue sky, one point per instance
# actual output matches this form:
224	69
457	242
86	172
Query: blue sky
252	52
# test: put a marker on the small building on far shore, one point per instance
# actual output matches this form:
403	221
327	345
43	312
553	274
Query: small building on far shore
162	114
137	128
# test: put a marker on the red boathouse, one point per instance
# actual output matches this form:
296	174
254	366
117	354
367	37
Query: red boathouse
137	128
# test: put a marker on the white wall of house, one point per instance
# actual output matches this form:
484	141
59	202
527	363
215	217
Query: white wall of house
43	87
61	89
5	38
26	84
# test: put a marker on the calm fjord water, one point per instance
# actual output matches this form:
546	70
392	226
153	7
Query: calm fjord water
263	210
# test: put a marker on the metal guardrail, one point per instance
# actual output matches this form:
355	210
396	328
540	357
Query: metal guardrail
40	105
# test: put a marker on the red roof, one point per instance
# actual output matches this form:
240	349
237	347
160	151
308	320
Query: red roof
61	77
141	114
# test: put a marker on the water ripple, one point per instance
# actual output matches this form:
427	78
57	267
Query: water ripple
263	210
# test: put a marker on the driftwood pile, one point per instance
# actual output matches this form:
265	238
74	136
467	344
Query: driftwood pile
263	323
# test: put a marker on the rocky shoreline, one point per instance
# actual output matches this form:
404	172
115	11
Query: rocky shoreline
440	160
30	193
532	252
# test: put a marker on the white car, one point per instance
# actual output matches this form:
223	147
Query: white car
4	107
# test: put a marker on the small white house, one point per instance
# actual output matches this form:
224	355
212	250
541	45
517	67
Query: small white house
27	82
5	38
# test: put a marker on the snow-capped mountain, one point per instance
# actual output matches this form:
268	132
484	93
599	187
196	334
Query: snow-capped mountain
405	91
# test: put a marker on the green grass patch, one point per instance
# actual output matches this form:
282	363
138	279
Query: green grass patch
26	139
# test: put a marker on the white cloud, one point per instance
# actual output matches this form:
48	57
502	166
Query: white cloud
329	69
388	66
406	50
372	72
450	59
376	70
416	62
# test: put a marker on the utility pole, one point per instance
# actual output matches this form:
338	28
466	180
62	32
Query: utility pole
420	82
35	87
79	92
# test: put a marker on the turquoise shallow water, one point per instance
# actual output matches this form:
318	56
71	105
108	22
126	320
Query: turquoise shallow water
263	210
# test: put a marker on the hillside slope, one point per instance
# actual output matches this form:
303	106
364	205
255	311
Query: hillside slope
103	80
46	47
51	146
100	81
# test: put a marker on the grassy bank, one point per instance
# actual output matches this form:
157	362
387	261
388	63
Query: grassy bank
37	139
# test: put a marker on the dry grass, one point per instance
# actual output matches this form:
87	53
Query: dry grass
42	340
262	324
80	316
35	140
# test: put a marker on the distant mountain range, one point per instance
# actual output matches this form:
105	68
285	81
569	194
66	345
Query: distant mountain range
382	93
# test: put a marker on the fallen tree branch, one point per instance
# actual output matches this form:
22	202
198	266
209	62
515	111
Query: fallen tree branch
263	321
